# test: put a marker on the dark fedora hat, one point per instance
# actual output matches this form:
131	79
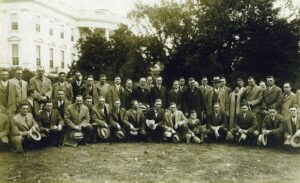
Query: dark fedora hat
120	134
216	79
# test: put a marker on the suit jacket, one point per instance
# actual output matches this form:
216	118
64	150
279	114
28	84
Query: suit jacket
192	100
234	107
67	87
136	119
176	97
62	108
222	98
127	98
141	95
286	103
4	94
96	92
46	122
194	126
22	124
150	115
276	126
288	130
179	116
17	93
217	120
4	126
248	123
206	93
99	116
74	117
104	88
253	95
272	98
42	86
116	118
77	89
156	93
33	108
113	94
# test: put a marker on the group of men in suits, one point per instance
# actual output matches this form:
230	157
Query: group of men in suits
39	113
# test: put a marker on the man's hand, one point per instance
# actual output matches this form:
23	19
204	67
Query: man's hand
59	127
288	137
131	127
118	127
78	128
143	132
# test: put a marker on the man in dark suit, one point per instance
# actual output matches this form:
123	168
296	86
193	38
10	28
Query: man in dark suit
51	125
141	94
4	86
134	122
92	89
77	85
271	95
175	95
158	92
61	103
154	118
245	127
182	85
217	124
115	92
292	124
116	120
192	99
273	128
206	91
128	94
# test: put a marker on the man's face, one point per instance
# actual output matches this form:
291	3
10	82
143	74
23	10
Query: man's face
61	95
176	85
173	108
89	102
102	80
194	115
241	82
293	112
159	81
117	81
90	81
270	81
217	108
217	85
286	88
62	77
157	105
40	72
48	107
142	83
4	75
244	109
272	112
192	83
236	89
129	84
204	81
135	105
117	104
181	82
19	74
79	101
262	85
149	80
78	76
222	82
196	84
251	82
24	110
101	102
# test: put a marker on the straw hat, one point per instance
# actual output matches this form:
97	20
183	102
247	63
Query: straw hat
295	141
35	135
103	133
77	135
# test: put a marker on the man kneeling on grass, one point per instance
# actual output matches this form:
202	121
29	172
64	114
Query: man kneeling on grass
174	124
196	129
292	128
245	127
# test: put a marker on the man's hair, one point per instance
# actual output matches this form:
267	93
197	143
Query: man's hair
244	104
23	104
181	78
48	101
133	101
90	76
294	106
270	77
102	75
289	83
193	112
191	79
175	81
4	70
88	97
172	103
60	73
217	103
204	77
158	100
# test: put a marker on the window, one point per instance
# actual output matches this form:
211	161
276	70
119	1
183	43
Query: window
51	57
14	22
37	24
62	31
51	25
62	53
15	54
38	55
72	34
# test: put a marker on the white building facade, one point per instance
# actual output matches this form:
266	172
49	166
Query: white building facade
45	32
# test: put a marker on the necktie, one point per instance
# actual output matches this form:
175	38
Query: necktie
119	115
173	119
20	82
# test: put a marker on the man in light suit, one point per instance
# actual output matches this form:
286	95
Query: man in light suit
4	87
158	92
141	94
115	92
51	125
77	119
31	101
42	85
92	89
116	119
134	122
100	116
206	91
175	95
174	124
61	103
223	85
63	85
17	92
103	86
287	100
21	124
292	124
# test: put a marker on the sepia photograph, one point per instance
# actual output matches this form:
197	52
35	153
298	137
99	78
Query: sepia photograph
149	91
